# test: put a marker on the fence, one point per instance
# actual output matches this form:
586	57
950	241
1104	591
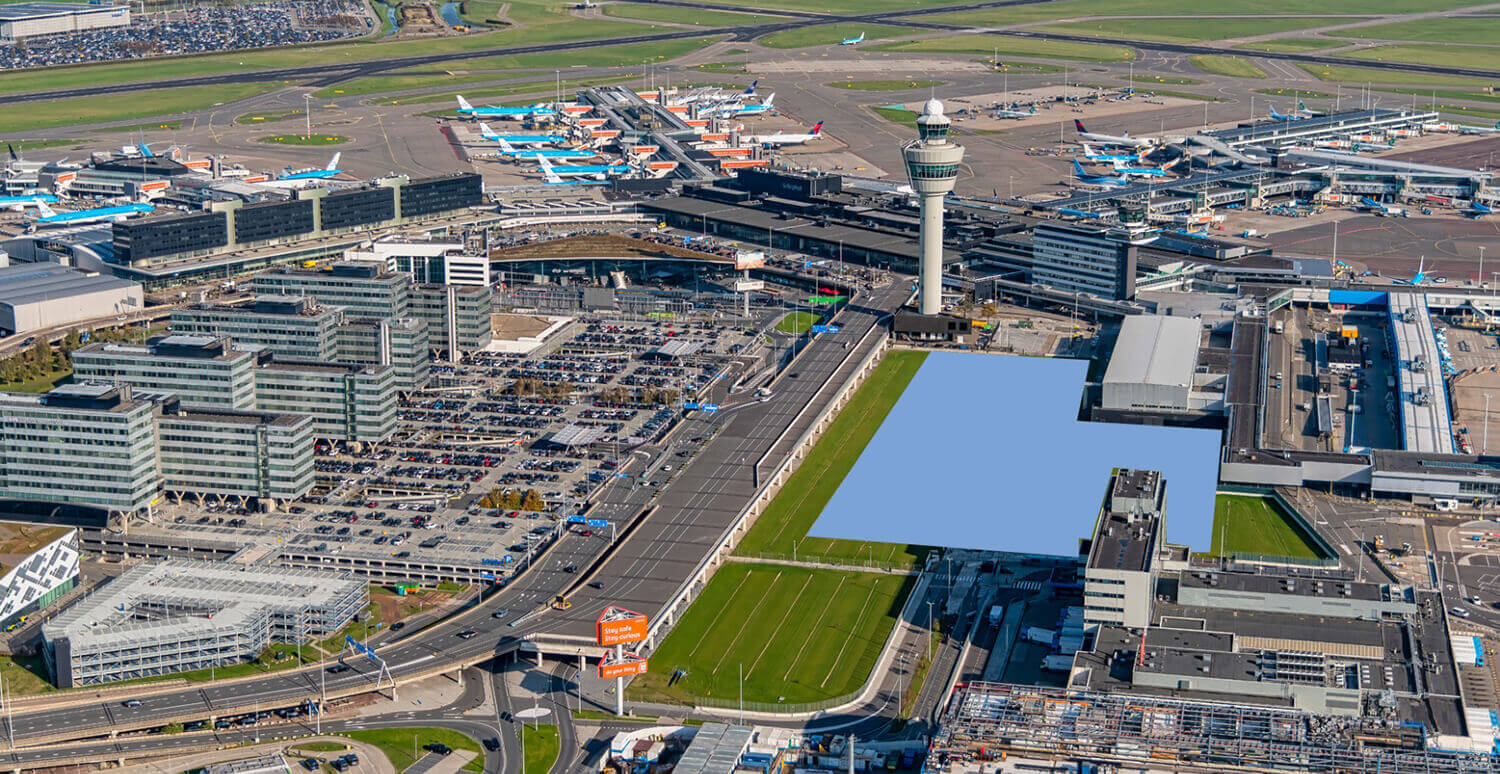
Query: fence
908	568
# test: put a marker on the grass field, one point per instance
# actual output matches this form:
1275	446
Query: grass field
625	55
800	635
524	87
541	745
831	34
266	116
781	529
679	15
1232	66
110	107
798	322
1188	30
884	85
1435	54
297	139
1193	9
1290	45
1440	30
1296	93
398	744
1177	94
1165	79
1255	525
1352	74
41	383
990	45
26	145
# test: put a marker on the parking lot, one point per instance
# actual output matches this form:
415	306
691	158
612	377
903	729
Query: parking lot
1362	396
489	460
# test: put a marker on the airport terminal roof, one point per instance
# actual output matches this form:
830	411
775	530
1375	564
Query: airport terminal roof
28	283
1154	349
38	10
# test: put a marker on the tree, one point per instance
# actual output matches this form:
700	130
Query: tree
172	728
533	501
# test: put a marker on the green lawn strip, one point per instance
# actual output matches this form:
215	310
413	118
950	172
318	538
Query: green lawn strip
1431	94
1001	45
884	85
111	107
1232	66
41	383
1141	81
722	67
899	115
26	145
1195	9
151	127
1296	93
1467	111
679	15
798	322
1177	94
830	34
799	634
541	746
783	526
1433	54
622	55
398	743
1453	29
838	7
267	116
1188	30
529	87
319	747
26	675
297	139
378	84
1361	75
1256	525
1291	45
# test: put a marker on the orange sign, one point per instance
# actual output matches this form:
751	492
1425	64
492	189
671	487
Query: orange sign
622	669
618	626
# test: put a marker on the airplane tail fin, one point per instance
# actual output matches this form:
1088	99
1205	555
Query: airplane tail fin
551	174
817	129
44	210
463	104
1078	125
1078	168
751	90
769	101
1088	150
485	130
12	149
506	147
333	163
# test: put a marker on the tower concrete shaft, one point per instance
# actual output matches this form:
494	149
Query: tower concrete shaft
932	165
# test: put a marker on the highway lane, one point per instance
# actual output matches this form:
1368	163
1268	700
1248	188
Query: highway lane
691	510
327	74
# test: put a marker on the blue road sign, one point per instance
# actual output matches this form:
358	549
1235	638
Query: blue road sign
690	405
597	523
824	329
575	519
709	408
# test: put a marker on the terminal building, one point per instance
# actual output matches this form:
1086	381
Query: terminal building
431	260
163	618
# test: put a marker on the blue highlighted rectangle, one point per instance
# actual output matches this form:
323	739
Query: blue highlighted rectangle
987	452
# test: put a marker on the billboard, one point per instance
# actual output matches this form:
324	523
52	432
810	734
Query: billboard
618	626
630	667
749	259
747	285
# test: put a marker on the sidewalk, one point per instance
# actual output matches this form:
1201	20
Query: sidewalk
371	759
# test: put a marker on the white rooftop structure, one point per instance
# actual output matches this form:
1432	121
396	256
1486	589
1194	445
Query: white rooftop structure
1153	364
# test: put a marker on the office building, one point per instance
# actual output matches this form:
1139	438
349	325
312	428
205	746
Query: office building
1119	579
399	343
43	295
89	444
292	327
162	618
360	289
457	316
1075	257
433	260
236	454
347	402
202	371
33	20
1153	365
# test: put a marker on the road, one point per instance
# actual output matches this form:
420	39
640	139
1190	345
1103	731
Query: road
648	566
327	74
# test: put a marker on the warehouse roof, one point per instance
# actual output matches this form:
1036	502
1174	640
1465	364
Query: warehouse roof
1154	349
29	283
20	11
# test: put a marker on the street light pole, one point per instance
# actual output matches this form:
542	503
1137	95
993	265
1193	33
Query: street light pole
307	114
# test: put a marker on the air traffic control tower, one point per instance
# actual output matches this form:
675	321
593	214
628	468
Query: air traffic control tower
932	164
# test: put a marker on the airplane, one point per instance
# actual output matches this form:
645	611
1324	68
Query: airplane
139	150
782	138
1307	111
555	175
1382	209
17	203
1139	171
1099	180
736	109
1419	277
1275	116
1001	112
97	215
1478	209
1480	129
1088	153
1122	140
466	109
302	177
853	41
519	139
537	154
